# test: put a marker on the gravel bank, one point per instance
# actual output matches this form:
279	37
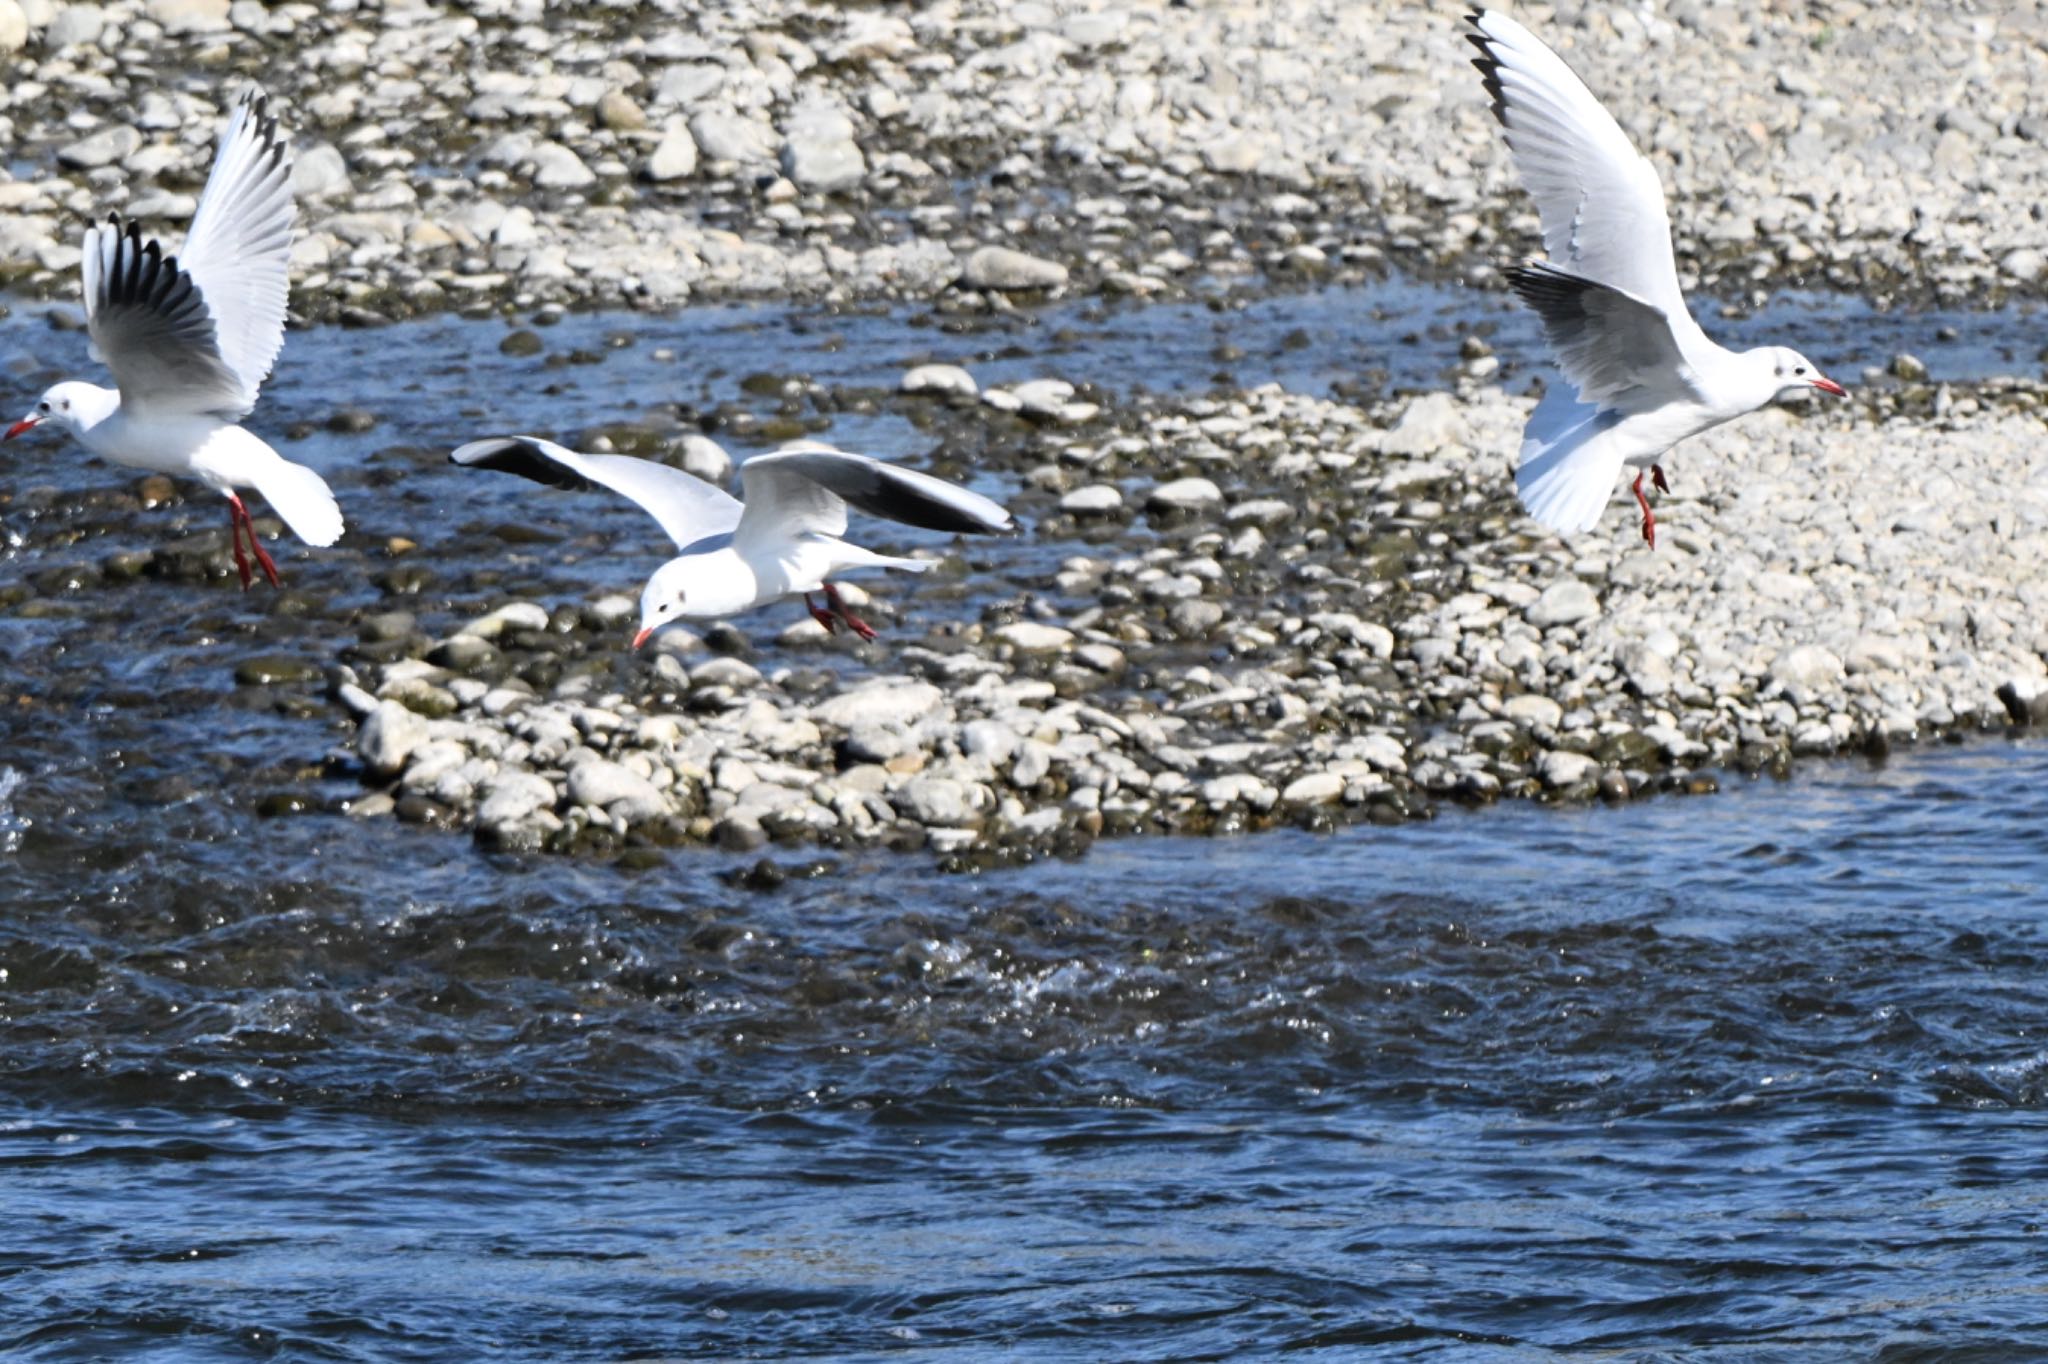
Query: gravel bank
1265	607
452	155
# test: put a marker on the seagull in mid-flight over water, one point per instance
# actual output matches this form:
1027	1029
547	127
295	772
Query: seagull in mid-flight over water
191	338
785	540
1646	376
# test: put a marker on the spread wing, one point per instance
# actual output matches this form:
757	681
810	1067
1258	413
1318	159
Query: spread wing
199	332
1600	202
807	489
150	323
1615	349
687	507
239	249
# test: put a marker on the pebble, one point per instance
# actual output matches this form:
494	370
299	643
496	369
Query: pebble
388	737
1565	602
1096	499
1003	269
1184	495
943	380
889	135
819	153
674	157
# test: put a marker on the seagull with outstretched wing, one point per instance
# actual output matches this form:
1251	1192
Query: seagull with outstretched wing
1646	376
786	539
190	340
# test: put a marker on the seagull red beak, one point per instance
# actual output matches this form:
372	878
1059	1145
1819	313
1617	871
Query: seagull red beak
643	637
25	424
1830	386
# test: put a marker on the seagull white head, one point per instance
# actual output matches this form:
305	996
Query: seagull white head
1793	372
661	601
73	406
702	585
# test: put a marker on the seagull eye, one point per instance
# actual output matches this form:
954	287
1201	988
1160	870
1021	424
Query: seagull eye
1800	370
42	407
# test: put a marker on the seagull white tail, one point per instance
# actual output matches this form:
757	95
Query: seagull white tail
873	560
300	496
1571	458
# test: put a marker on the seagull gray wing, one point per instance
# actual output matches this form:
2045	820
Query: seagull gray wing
807	488
150	323
1617	350
687	507
1600	202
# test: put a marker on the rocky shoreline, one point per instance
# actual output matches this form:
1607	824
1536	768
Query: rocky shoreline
1267	607
501	153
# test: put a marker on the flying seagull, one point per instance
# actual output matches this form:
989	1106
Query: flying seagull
190	340
1647	376
784	540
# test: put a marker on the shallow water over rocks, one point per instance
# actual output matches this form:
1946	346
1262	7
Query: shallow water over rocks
1749	1078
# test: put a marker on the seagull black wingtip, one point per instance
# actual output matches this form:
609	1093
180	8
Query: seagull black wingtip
1488	66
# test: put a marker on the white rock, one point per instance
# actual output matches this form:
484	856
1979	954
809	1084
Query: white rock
1560	768
674	157
516	615
707	459
934	800
1565	602
940	379
1233	787
2024	265
1806	670
189	16
1042	398
882	702
319	172
1031	637
556	167
389	736
1431	423
1317	788
819	153
103	148
724	136
74	26
990	740
1000	268
1184	494
513	797
1533	709
1097	499
618	789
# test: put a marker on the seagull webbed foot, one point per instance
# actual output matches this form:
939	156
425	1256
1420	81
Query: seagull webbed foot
853	622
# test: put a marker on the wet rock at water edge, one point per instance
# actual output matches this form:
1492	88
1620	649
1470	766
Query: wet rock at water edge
271	669
1003	269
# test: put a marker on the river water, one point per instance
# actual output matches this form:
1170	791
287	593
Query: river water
1752	1077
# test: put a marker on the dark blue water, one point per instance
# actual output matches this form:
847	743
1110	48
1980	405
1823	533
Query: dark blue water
1751	1077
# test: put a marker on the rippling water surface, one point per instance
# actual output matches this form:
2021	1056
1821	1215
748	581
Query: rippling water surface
1751	1077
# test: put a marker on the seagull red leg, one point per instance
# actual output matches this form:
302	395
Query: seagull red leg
1649	517
235	514
263	558
853	622
248	527
1657	477
821	615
